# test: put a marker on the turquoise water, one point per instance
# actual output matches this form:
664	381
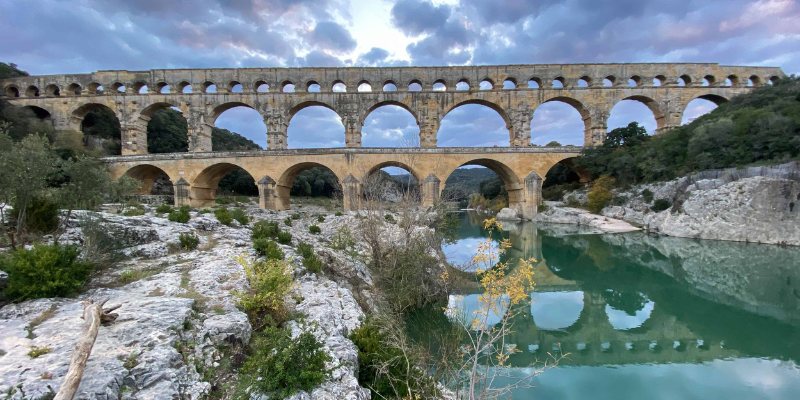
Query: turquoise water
645	317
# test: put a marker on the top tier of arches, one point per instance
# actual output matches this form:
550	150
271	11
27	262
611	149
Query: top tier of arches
389	79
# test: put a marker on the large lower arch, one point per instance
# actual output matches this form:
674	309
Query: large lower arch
481	122
283	186
390	124
204	187
563	176
101	128
511	182
381	185
700	106
154	180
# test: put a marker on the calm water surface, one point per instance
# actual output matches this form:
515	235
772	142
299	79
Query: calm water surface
646	317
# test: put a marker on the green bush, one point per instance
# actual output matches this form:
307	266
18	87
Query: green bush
41	215
314	229
280	366
133	211
270	281
284	237
189	241
342	239
44	271
320	218
382	366
647	196
310	259
305	250
268	248
164	209
543	207
661	205
296	216
600	194
265	229
338	214
223	216
389	218
287	221
239	215
180	215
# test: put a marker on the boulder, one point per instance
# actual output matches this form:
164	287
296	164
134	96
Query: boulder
508	214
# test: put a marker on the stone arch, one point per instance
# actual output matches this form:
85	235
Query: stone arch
714	98
95	88
148	175
651	104
185	87
398	118
154	141
701	105
329	133
414	85
579	107
364	87
163	87
534	82
140	87
204	186
491	105
338	86
313	86
389	86
32	91
388	103
209	87
283	186
297	107
511	181
439	85
398	164
462	84
11	91
582	175
510	83
261	86
52	90
119	87
80	123
74	89
40	112
411	192
221	108
235	86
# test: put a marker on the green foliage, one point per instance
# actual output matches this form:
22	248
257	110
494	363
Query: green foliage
265	229
661	205
10	70
760	127
41	215
647	195
268	248
36	351
315	181
556	192
281	365
320	218
238	182
270	282
600	194
44	271
296	216
225	140
134	210
343	239
314	229
23	121
239	215
284	237
338	214
287	221
310	259
384	368
189	241
167	132
463	182
102	131
164	209
180	215
553	144
223	216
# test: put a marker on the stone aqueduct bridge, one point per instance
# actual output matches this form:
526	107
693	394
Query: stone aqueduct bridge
428	93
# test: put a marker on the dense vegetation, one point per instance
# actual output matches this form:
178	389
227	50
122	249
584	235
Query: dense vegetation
316	181
762	127
10	70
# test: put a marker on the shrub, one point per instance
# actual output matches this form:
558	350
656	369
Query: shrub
164	209
619	200
287	221
296	216
389	218
223	216
661	205
281	366
270	282
44	271
180	215
189	241
647	195
338	214
543	207
314	229
600	194
133	211
342	239
284	237
41	215
305	250
239	215
265	229
320	218
36	352
310	259
267	248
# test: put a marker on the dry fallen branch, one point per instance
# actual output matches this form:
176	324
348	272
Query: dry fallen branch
93	315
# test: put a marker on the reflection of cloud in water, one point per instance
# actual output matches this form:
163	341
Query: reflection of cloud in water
460	253
554	311
464	308
622	321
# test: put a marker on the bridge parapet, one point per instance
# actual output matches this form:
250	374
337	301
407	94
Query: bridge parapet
514	91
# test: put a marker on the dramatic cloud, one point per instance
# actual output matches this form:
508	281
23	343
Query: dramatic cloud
61	36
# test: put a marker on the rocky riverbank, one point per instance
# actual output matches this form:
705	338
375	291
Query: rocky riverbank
179	313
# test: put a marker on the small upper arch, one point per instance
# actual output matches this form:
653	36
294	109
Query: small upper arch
209	87
32	91
415	85
185	87
338	87
439	85
389	86
364	86
462	84
52	90
11	91
534	83
486	84
261	86
510	83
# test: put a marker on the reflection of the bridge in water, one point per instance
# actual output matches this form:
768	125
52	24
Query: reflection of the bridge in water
608	299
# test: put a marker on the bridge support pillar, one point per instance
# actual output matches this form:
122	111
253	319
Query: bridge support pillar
182	193
532	195
267	193
200	137
277	125
134	139
520	126
430	191
673	112
352	193
352	130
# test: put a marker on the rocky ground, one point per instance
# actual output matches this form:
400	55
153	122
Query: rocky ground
178	312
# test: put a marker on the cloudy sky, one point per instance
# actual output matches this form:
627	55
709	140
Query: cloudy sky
50	36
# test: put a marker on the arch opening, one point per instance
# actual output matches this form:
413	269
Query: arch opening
486	84
313	87
559	122
474	123
439	86
482	184
32	91
74	89
339	87
155	185
141	88
639	109
696	109
462	85
389	86
314	125
11	91
415	86
609	81
308	183
390	124
96	88
534	83
52	90
119	87
210	87
287	87
584	82
509	83
167	129
557	83
223	183
364	86
101	128
185	87
238	127
235	87
392	182
261	87
561	178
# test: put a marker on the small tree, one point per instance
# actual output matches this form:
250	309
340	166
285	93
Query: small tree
600	194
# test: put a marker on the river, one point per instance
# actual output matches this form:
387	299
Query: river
646	317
